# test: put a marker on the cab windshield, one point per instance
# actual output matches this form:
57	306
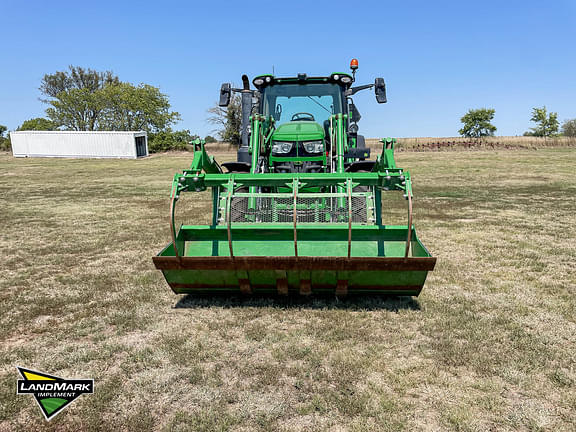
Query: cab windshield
305	102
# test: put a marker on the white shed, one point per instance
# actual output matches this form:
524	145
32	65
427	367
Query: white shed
75	144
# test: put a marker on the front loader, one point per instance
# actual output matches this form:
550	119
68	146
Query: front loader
300	210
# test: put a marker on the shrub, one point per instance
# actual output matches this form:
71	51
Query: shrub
569	128
38	124
170	140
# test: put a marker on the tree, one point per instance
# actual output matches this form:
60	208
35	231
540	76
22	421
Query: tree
76	109
38	124
210	139
76	78
129	107
76	101
4	141
569	128
547	124
86	100
228	120
476	123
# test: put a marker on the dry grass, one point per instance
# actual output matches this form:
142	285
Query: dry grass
489	345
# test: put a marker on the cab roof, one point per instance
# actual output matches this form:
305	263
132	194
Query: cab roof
342	78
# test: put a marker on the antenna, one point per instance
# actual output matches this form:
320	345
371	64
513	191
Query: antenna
272	69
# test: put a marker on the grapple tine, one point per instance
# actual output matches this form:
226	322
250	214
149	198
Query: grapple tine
282	287
305	287
341	288
245	287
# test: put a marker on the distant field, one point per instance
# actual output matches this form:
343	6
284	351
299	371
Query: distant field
489	345
496	142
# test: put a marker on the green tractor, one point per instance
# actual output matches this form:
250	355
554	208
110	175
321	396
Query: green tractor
300	210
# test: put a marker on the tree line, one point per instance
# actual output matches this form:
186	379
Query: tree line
477	123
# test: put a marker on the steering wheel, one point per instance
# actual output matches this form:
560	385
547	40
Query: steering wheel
303	116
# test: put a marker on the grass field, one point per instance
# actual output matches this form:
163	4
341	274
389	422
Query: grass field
489	345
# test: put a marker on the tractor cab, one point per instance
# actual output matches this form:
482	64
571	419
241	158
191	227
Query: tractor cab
301	110
301	124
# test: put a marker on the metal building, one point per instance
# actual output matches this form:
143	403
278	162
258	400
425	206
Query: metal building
75	144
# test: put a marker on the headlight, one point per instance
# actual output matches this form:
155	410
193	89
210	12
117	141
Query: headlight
344	79
313	146
282	147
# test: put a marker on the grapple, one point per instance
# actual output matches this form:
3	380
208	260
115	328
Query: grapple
295	233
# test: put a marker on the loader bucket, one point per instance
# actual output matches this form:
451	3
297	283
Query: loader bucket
280	259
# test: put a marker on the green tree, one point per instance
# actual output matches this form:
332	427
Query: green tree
76	78
476	123
38	124
547	124
129	107
4	141
75	96
210	139
228	120
569	128
85	100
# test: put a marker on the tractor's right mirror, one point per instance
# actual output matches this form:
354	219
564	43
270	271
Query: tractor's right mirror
225	94
380	90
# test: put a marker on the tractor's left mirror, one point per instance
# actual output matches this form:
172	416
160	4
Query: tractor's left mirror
225	94
380	90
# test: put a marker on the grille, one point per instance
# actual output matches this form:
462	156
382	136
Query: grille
310	208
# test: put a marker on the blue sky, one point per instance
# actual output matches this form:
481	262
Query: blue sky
438	58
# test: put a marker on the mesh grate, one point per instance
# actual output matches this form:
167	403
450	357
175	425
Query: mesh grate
310	208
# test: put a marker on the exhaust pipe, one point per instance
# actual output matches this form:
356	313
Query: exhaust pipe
243	151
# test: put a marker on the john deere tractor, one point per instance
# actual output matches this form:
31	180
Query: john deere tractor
300	210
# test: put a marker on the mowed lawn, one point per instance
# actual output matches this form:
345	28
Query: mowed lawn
490	344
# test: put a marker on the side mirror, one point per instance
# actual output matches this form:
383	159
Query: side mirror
354	114
225	94
380	90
